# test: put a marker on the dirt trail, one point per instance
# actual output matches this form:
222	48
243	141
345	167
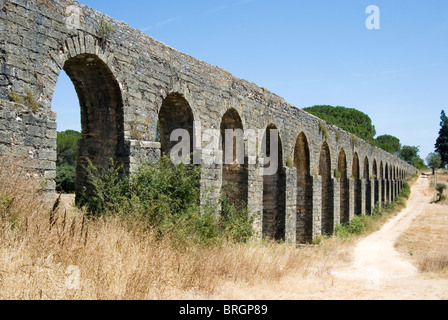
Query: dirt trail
376	271
385	272
375	257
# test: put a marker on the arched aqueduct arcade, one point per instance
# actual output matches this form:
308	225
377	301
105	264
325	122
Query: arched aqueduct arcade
127	82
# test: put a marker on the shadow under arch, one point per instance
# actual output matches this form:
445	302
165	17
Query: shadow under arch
327	190
274	188
304	216
234	172
356	185
344	188
376	181
368	187
176	113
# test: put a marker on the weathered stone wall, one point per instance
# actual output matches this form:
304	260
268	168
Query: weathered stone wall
124	78
28	135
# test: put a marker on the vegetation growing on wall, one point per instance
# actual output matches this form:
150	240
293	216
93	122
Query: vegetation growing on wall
27	100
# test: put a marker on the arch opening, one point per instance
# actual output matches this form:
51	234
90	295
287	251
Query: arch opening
235	174
175	113
344	188
368	187
102	120
327	190
376	192
304	216
356	185
274	187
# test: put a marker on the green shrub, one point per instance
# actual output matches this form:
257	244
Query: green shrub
66	178
317	241
342	231
107	190
358	225
166	197
235	224
400	201
104	30
440	187
406	190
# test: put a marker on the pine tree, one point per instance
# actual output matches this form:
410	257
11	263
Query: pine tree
442	140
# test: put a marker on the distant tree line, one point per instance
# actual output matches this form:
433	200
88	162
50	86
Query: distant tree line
360	124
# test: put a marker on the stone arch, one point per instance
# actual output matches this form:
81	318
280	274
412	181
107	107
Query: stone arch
235	172
176	113
344	188
327	195
82	46
368	187
356	184
274	214
304	224
102	116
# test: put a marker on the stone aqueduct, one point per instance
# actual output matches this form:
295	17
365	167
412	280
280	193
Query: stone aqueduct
126	82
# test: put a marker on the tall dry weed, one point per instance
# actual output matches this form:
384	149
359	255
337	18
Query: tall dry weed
49	251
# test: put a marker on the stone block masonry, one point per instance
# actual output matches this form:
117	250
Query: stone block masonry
128	83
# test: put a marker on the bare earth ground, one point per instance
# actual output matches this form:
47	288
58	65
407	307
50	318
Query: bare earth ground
377	271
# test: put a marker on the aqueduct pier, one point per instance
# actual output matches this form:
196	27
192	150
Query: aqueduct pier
127	82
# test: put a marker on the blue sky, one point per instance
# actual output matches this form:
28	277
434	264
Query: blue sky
309	52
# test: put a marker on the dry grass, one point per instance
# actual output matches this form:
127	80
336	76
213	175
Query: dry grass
43	246
426	242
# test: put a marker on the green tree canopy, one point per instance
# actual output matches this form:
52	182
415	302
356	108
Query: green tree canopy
442	140
348	119
67	143
434	161
408	153
389	143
